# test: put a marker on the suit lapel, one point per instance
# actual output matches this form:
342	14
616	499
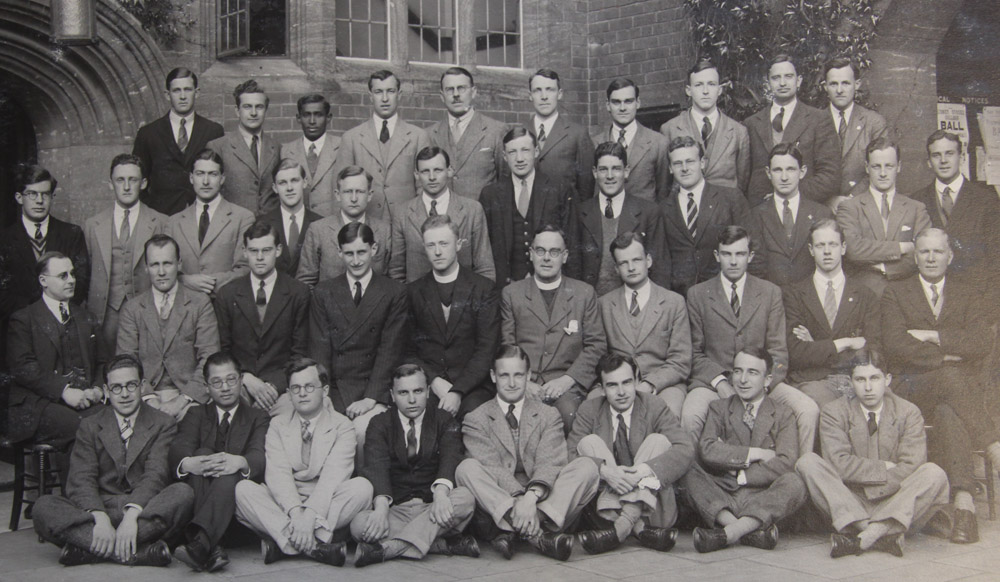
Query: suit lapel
371	299
370	143
763	423
742	431
536	303
629	219
874	218
104	225
641	145
796	125
897	211
602	424
460	301
110	436
502	430
651	315
760	124
178	312
400	139
242	151
855	125
222	218
718	143
672	211
719	298
559	132
845	311
751	302
432	302
247	304
562	304
471	137
141	433
142	232
638	430
279	301
590	218
166	132
706	212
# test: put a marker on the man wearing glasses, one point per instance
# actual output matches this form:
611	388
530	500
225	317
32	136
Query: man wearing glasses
217	446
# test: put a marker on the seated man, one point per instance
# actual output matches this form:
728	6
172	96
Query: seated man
411	454
520	477
308	494
117	510
745	481
216	448
641	450
873	479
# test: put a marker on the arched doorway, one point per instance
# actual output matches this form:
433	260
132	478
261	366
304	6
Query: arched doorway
19	145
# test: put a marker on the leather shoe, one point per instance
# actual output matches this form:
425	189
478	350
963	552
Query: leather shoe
709	539
217	560
464	546
155	554
74	556
369	554
966	529
763	538
504	545
333	554
556	545
192	556
890	544
661	539
270	551
841	545
598	541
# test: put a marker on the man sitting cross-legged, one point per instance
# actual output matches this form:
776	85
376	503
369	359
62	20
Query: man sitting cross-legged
411	453
641	449
873	479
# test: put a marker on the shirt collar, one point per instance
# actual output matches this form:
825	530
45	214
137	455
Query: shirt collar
220	412
820	280
699	118
955	186
319	143
212	206
442	201
927	285
775	108
464	119
159	297
29	225
131	419
175	120
616	203
406	421
626	415
878	411
299	215
644	291
836	114
630	130
548	286
727	285
547	123
248	137
392	123
446	278
268	282
793	204
365	280
505	406
877	195
529	180
53	305
348	220
756	404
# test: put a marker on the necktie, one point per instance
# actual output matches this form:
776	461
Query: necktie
633	310
523	199
434	208
541	136
261	301
312	159
123	232
383	135
787	221
293	234
947	203
692	215
777	124
830	303
165	307
306	443
254	152
63	312
411	441
223	433
203	225
357	293
935	296
511	419
872	425
126	431
885	207
842	130
706	129
623	456
621	138
734	301
38	232
182	135
609	212
748	417
456	131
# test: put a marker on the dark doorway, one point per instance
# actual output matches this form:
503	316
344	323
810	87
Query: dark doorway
17	146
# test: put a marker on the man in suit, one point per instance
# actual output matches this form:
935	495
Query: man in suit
116	239
694	214
358	327
724	141
727	314
829	318
320	259
470	138
873	480
209	231
263	318
648	323
518	468
519	204
386	147
649	172
556	321
317	153
173	330
292	218
249	153
612	211
411	454
934	333
789	121
641	451
118	505
565	151
966	210
308	497
856	125
745	481
408	261
880	224
54	357
168	145
780	224
455	315
217	446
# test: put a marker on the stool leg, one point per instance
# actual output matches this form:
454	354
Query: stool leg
15	506
990	488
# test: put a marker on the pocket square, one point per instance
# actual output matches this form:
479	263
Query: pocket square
573	327
905	228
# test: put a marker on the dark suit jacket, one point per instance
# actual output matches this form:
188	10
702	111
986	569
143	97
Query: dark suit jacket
167	167
288	262
863	126
727	152
776	259
813	132
857	316
726	439
263	349
586	239
248	183
387	467
692	260
196	437
460	350
568	155
33	356
19	286
552	202
477	158
99	469
362	345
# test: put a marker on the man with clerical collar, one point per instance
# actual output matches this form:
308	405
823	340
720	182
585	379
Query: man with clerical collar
517	465
456	323
292	218
217	446
316	151
556	321
873	479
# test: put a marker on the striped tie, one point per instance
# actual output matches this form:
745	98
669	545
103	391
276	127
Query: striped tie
634	309
692	216
126	431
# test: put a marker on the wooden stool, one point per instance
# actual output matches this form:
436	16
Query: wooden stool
46	479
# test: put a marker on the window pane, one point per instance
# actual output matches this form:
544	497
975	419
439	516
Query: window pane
498	32
431	35
268	26
232	27
380	42
359	9
362	29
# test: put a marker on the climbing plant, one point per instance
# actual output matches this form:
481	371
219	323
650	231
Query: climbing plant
165	19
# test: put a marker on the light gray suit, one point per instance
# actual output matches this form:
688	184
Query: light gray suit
221	253
248	183
649	165
319	196
320	259
727	152
477	159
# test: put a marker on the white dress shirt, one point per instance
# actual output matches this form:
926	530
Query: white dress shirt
928	294
286	220
630	130
682	198
268	284
836	115
442	201
118	216
319	143
199	206
364	280
644	292
378	124
789	109
539	123
29	226
955	186
820	280
175	124
616	203
793	205
53	305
